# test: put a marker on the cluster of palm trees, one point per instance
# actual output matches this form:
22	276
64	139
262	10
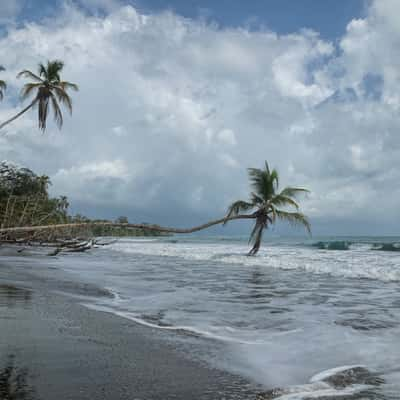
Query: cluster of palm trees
47	91
266	204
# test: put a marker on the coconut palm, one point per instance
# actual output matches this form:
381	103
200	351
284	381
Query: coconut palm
3	85
48	90
268	203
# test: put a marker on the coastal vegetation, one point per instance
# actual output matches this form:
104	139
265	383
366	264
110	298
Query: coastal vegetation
48	91
269	204
25	202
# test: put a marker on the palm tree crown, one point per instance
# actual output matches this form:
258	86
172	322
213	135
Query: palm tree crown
48	90
268	204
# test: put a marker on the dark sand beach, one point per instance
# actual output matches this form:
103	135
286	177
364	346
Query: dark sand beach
52	347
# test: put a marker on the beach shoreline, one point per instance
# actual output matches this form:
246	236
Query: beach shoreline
52	347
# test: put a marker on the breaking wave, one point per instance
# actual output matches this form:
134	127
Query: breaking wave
350	245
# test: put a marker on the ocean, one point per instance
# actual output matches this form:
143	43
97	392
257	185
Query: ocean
300	311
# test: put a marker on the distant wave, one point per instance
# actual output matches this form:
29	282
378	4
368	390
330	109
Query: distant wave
350	245
387	246
336	245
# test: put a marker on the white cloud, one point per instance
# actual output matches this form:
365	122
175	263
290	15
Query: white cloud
172	111
104	169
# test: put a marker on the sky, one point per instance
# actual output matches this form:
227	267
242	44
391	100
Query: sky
177	98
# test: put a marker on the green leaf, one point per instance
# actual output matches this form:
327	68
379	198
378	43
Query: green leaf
238	206
284	201
293	191
294	218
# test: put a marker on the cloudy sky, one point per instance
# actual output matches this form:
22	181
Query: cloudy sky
177	98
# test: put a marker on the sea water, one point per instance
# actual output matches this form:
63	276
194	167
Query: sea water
299	309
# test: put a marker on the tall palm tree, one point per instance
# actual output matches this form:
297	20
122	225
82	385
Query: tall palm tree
267	202
3	85
48	90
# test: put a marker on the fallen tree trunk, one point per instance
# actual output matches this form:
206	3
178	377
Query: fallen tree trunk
150	227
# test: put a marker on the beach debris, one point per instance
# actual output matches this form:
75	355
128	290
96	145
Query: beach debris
55	252
74	247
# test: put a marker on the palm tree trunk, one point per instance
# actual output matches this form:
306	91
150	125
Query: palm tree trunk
19	114
156	228
262	221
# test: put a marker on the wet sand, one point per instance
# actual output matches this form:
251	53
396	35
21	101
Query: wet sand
51	347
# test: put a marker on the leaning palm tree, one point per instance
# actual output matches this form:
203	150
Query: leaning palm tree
48	90
268	203
3	85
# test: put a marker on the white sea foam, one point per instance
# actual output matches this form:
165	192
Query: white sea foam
184	329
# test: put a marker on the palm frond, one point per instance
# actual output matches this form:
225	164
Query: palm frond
42	70
68	85
267	167
293	191
28	89
63	97
280	201
238	206
53	70
258	181
28	74
58	118
274	179
265	182
294	218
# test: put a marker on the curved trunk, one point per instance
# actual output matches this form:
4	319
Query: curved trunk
261	224
157	228
19	114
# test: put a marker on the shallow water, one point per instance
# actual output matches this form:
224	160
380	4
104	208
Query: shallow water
296	309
